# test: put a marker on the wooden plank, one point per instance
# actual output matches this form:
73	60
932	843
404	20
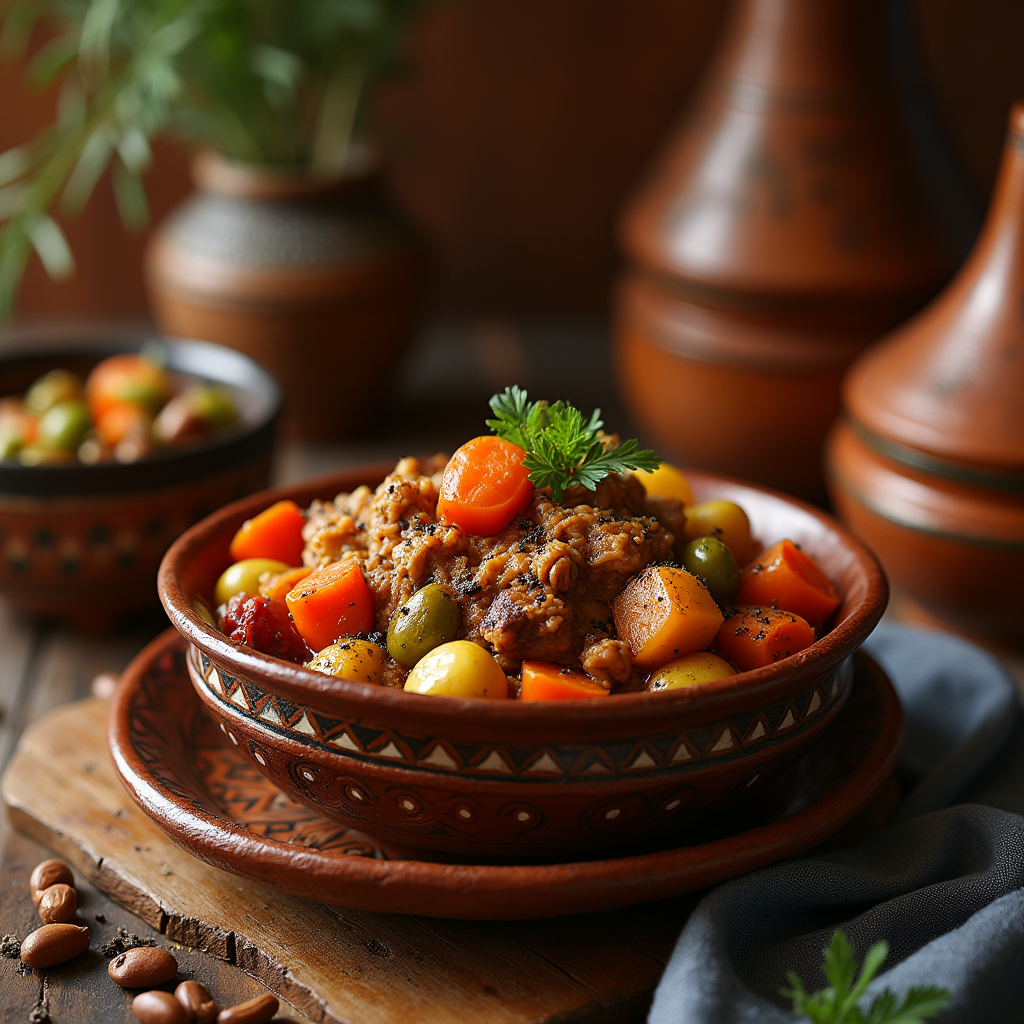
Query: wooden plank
333	964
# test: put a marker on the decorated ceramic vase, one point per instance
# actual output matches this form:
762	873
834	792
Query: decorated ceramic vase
789	223
317	280
928	465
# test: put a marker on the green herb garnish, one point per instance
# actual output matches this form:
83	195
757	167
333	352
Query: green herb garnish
563	449
838	1004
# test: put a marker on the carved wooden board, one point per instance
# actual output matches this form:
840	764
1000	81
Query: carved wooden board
333	964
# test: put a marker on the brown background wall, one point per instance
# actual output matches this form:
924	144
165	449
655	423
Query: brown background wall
517	131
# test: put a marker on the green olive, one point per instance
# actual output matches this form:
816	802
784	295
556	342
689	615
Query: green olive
244	577
51	389
458	669
198	410
64	425
690	670
711	561
214	406
430	617
724	520
349	658
11	442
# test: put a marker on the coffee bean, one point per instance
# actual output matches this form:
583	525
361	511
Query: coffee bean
54	944
197	1002
255	1011
142	967
58	903
158	1008
48	873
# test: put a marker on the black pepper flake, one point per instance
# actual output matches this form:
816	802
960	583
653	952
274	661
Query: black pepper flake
39	1015
10	947
123	941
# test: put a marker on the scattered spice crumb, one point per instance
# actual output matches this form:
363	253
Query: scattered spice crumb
38	1015
122	941
10	947
23	970
102	918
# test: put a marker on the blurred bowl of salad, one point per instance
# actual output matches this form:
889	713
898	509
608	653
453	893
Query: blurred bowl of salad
111	445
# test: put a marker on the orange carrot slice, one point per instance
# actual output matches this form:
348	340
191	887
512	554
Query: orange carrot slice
331	602
276	589
663	613
785	577
755	635
543	681
126	378
484	486
275	533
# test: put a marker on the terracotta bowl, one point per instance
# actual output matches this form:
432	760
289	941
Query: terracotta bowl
952	539
83	543
519	779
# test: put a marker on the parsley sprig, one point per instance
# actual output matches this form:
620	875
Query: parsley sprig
838	1004
563	449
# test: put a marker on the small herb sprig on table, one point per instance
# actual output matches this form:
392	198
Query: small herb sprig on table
563	449
838	1004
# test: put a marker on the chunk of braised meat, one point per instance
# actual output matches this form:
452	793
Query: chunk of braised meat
264	626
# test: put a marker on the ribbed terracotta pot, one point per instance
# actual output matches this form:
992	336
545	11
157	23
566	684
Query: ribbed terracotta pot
319	281
928	466
790	222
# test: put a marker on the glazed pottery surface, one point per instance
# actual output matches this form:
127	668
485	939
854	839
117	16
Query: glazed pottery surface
195	781
313	279
83	543
493	777
790	222
929	466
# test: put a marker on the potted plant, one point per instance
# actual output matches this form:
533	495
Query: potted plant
287	250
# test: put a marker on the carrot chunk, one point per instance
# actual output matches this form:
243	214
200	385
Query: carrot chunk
275	533
484	486
126	378
543	681
755	635
276	588
331	602
785	577
664	613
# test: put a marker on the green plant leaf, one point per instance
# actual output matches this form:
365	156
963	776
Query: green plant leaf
130	197
838	1004
14	164
562	449
52	247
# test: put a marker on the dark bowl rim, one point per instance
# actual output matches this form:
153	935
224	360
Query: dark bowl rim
161	469
327	692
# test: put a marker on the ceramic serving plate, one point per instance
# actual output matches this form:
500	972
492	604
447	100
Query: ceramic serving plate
185	773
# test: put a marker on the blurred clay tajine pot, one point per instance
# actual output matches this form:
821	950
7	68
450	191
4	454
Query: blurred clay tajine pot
791	221
317	280
928	466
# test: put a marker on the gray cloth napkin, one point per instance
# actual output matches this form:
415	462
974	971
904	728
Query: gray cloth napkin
944	887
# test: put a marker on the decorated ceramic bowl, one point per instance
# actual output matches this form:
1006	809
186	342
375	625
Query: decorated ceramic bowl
83	543
520	779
